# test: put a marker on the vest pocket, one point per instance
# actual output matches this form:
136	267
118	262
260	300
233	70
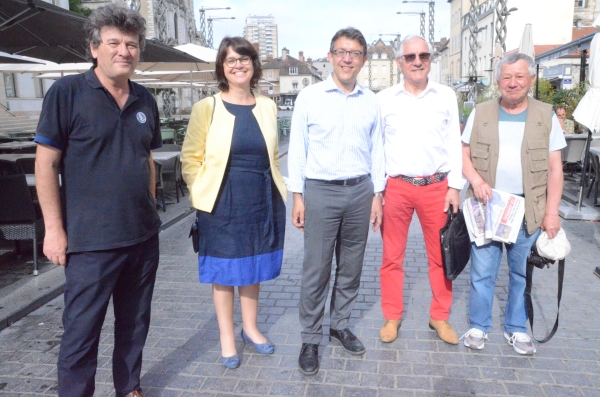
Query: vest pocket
480	156
538	152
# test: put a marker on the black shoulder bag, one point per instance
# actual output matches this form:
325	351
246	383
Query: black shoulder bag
456	244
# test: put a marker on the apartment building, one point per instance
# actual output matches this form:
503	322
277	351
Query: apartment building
262	30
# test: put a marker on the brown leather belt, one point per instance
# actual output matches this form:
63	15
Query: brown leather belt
423	180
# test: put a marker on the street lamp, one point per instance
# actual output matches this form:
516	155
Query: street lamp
431	16
422	14
209	42
203	41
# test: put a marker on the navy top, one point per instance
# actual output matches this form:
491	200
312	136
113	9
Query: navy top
104	165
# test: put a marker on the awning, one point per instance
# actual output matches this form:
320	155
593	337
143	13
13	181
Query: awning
582	43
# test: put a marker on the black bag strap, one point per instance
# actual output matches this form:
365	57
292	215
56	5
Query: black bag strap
529	282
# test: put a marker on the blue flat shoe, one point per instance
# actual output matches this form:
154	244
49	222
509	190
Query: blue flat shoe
231	362
264	348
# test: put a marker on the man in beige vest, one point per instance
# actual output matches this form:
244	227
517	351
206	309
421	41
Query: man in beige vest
511	144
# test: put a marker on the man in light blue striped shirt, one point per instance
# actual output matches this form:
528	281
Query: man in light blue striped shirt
337	173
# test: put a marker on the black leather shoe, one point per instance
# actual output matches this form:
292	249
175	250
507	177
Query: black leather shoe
309	359
348	340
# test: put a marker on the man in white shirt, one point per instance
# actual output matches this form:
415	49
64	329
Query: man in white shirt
423	163
336	172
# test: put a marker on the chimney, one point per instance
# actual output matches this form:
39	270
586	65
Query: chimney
301	56
309	61
256	47
269	58
284	54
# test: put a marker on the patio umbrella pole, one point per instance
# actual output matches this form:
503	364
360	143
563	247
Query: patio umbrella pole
584	168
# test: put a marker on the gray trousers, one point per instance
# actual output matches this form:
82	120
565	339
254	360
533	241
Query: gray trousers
336	217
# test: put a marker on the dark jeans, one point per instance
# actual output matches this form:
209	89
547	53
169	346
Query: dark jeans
127	274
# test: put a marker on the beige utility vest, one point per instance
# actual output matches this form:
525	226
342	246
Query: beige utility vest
534	153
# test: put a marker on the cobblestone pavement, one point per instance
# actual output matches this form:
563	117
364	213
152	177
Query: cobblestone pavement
182	352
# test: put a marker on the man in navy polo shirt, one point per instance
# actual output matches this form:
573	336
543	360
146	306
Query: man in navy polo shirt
98	129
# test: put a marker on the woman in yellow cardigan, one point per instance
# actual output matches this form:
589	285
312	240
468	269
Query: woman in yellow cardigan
230	164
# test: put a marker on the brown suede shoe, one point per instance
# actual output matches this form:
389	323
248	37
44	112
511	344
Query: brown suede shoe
444	331
389	332
135	393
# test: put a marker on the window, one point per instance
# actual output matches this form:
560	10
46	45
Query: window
294	70
383	69
39	87
270	73
374	69
295	86
9	85
580	3
375	83
383	83
366	82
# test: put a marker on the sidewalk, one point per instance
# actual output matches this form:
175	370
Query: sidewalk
182	352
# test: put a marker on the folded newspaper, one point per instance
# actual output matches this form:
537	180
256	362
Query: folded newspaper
498	220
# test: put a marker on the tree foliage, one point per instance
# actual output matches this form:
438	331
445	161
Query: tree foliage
75	6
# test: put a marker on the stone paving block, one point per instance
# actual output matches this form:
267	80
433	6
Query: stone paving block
359	392
288	389
318	390
523	390
560	391
220	384
413	382
487	388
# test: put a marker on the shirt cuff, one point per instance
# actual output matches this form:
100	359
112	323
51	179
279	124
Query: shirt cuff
295	186
379	185
456	181
47	141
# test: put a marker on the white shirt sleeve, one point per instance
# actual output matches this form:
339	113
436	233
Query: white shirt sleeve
455	177
557	137
466	135
377	155
298	146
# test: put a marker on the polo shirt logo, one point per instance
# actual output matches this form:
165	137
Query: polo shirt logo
141	117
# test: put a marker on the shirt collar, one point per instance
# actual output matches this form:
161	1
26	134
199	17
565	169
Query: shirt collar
431	87
330	85
94	82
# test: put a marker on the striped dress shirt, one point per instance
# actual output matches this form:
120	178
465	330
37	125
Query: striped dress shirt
335	136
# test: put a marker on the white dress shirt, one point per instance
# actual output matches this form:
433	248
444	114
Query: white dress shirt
335	136
421	133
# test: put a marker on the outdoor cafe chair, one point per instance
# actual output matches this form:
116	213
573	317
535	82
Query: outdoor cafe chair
171	172
159	184
572	154
18	218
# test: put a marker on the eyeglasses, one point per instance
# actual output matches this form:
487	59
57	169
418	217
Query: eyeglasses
342	54
423	57
245	60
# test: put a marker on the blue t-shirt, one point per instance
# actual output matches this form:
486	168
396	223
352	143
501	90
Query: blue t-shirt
106	197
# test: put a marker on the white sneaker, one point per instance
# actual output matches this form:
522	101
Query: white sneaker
474	338
521	342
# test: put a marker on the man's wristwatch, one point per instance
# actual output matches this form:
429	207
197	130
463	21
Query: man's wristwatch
378	194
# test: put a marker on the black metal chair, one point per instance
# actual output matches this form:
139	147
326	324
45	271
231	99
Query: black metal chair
18	218
158	182
8	167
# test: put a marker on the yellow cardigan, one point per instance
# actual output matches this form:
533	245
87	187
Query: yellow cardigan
206	147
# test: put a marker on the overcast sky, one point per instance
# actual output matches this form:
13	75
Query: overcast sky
308	25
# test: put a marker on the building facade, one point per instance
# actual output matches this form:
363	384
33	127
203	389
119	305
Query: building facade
323	66
380	70
262	30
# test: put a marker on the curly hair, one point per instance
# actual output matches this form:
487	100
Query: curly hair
113	15
242	47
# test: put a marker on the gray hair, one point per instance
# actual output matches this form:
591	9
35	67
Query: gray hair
514	58
115	16
409	39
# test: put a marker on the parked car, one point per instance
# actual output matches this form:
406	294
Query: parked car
286	107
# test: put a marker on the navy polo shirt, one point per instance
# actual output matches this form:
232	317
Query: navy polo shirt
105	172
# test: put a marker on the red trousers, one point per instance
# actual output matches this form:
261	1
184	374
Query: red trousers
401	200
